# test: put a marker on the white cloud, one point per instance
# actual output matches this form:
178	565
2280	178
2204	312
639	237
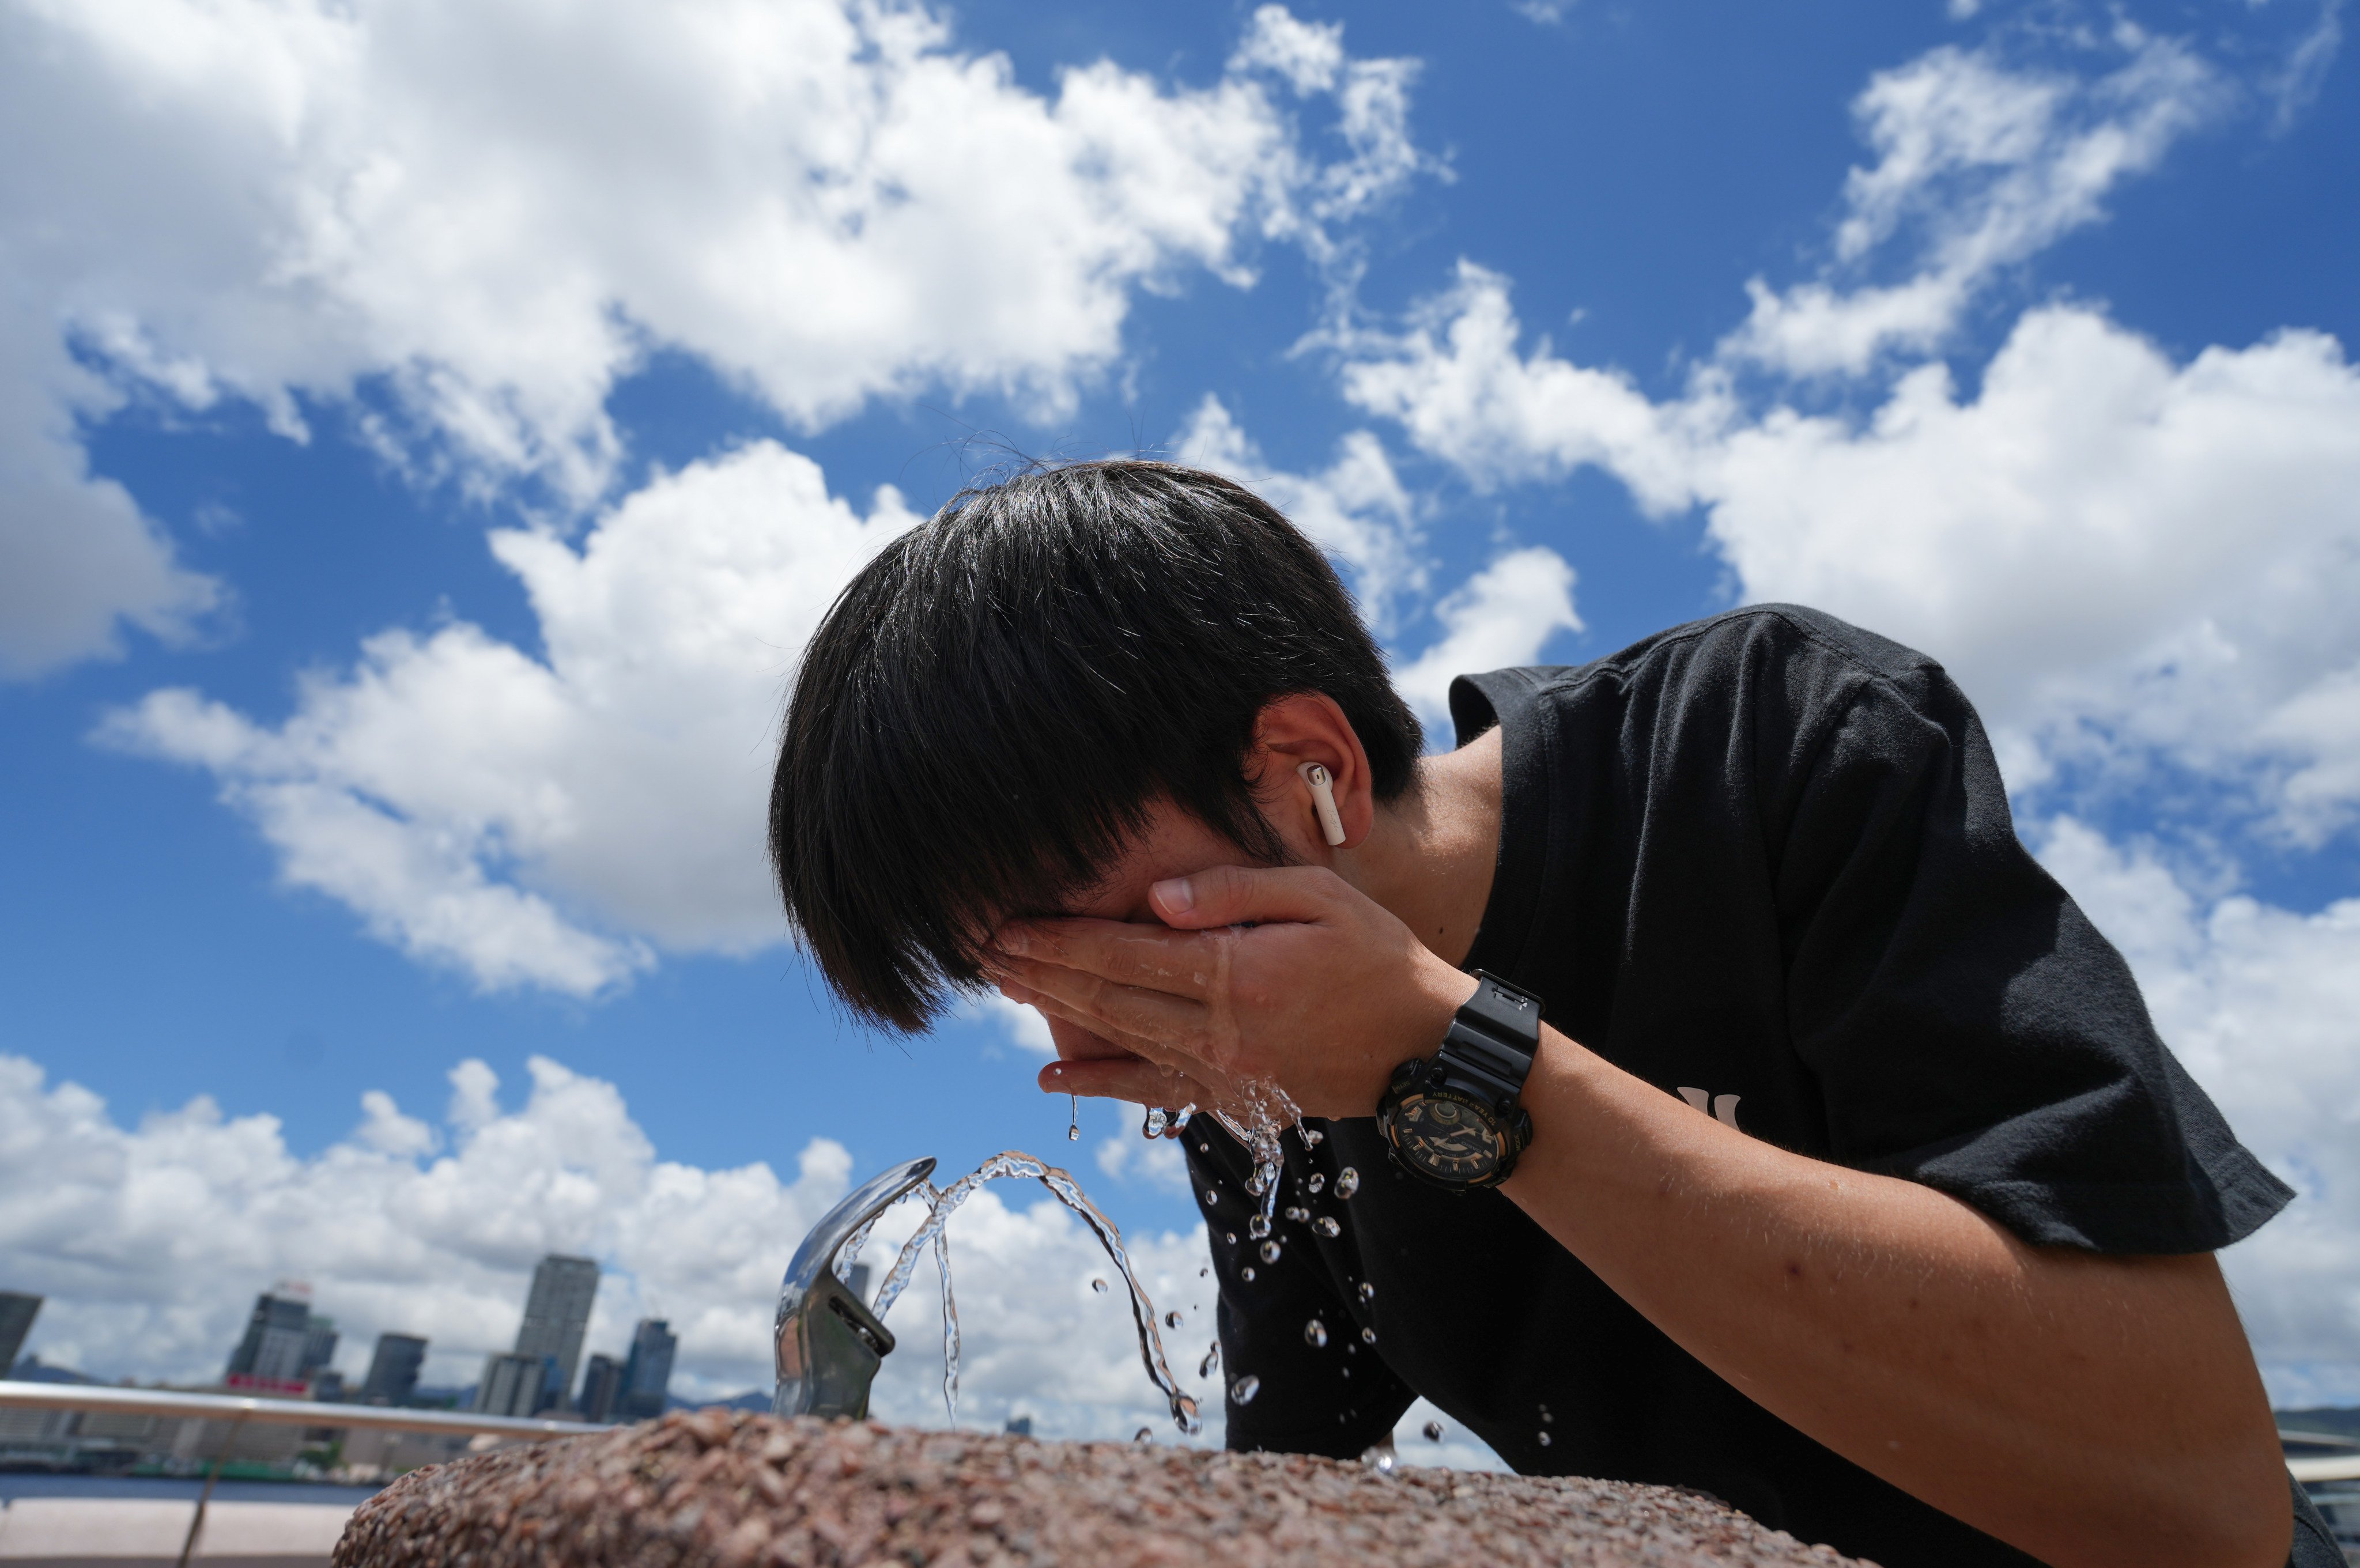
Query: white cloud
491	212
152	1241
2258	1002
78	561
2118	555
1502	615
1992	165
538	820
1154	1163
1357	508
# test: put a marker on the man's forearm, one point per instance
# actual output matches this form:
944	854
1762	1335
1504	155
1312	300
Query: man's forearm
2089	1410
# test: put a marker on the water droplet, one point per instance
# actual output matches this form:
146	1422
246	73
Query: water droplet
1098	1286
1171	1320
1212	1359
1180	1118
1434	1431
1368	1337
1319	1180
1348	1371
1547	1419
1270	1252
1258	1181
1348	1181
1381	1458
1204	1148
1367	1291
1315	1334
1143	1435
1325	1225
1231	1236
1311	1136
1073	1119
1243	1390
1201	1273
1257	1226
1246	1273
1297	1216
1545	1440
1154	1122
1211	1197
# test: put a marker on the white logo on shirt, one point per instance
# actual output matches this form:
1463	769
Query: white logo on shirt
1722	1108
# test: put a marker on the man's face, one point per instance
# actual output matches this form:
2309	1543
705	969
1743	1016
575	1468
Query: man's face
1175	843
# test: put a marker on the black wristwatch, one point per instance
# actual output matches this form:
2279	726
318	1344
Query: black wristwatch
1452	1119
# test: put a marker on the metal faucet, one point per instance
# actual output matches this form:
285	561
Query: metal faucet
829	1343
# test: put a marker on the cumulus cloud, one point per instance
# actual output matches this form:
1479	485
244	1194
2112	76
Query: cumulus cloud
2123	557
1990	165
484	214
1360	512
152	1241
540	820
1502	615
2259	1001
1356	508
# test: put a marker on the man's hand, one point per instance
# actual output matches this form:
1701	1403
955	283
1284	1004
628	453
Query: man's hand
1285	975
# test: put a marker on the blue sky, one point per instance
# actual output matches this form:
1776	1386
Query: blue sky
2043	368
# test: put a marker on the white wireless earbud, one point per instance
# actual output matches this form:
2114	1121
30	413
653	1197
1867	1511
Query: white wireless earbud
1323	796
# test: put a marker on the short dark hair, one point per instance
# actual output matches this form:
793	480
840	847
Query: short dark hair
994	705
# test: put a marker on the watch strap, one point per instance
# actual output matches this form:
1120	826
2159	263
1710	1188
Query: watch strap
1489	1046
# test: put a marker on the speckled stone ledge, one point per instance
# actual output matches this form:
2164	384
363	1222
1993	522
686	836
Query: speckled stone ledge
722	1489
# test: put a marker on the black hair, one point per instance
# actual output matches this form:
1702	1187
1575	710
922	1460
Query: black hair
993	706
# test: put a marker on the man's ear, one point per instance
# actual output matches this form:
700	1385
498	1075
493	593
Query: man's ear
1308	726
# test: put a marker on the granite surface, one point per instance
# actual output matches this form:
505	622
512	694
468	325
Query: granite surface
722	1489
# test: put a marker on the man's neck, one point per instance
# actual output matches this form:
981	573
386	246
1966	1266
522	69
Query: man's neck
1430	855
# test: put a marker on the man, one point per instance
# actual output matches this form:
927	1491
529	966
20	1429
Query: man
1805	1144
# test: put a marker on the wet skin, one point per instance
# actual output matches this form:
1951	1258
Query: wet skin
2093	1411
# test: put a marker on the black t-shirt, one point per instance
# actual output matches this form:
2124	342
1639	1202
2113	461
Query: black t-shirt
1766	863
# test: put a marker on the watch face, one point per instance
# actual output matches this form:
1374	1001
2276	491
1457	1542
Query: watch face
1447	1137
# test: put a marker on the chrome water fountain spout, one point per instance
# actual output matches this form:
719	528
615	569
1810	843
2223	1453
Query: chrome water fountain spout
829	1343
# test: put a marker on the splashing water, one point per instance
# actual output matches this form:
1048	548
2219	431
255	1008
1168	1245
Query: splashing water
1060	1185
1269	1113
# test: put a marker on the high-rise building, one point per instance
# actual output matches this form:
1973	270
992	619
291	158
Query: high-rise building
393	1370
318	1347
556	1316
277	1338
602	1388
18	1312
511	1384
647	1376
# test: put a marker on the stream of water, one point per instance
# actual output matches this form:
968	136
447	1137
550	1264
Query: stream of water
943	1200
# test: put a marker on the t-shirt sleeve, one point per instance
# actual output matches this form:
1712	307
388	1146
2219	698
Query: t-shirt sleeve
1967	1026
1306	1400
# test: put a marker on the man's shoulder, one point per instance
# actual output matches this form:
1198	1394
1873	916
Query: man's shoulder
1796	637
